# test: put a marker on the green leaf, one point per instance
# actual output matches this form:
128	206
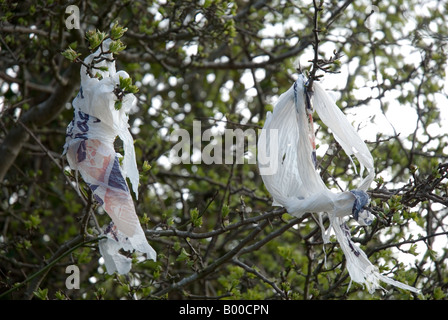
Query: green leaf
133	89
196	220
32	222
146	166
145	219
104	68
184	255
59	295
125	83
116	46
95	38
225	211
70	54
118	104
439	294
117	31
41	293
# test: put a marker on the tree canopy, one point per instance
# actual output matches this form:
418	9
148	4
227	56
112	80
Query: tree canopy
222	64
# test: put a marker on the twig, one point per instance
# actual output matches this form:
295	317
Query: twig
312	77
319	64
212	267
272	235
204	235
62	252
398	244
87	203
48	153
259	275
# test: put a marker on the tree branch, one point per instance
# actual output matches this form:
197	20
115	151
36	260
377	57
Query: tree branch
40	115
312	77
212	267
37	277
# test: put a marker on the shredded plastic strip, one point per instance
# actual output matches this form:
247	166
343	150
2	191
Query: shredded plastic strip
290	175
90	152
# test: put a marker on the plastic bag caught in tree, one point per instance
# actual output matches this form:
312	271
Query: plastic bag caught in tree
90	151
287	163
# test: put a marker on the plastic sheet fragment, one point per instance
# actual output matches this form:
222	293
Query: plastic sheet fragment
287	164
90	152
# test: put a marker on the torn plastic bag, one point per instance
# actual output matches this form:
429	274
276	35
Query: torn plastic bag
90	152
110	250
287	164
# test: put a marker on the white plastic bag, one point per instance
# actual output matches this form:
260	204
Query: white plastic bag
287	165
90	151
